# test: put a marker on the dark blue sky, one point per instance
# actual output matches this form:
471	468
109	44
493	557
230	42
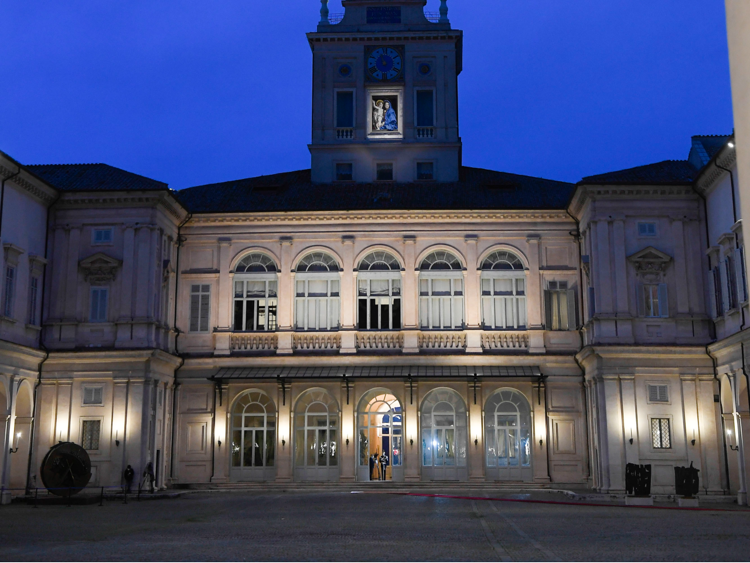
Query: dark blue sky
191	92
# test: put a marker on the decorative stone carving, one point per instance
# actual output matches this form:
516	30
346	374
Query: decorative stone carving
650	264
99	268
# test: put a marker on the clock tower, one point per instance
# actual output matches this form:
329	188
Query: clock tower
385	93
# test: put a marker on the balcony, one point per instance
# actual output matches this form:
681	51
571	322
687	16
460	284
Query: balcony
268	342
425	132
345	133
316	342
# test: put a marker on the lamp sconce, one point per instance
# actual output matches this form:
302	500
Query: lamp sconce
411	441
541	442
347	441
693	440
117	438
631	437
731	447
476	441
219	443
14	450
283	442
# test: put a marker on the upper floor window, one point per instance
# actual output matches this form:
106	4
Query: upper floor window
384	171
425	170
652	300
101	236
560	306
255	293
200	305
379	292
441	291
503	291
344	171
99	304
661	435
345	109
33	299
317	301
425	108
730	275
646	229
9	291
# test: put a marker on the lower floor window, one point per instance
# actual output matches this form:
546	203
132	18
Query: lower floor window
90	430
660	435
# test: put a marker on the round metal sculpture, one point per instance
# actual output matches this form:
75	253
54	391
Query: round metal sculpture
66	469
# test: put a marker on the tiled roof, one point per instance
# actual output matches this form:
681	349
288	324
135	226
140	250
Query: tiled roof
293	191
668	172
93	177
711	143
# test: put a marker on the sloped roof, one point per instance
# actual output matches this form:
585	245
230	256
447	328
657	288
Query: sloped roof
294	191
667	172
93	177
711	143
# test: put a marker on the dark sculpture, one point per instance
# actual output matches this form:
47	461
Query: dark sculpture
638	479
686	482
66	469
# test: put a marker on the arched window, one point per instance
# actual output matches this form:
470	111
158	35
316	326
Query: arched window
380	424
441	292
255	293
444	430
503	291
316	423
379	292
507	419
253	431
317	292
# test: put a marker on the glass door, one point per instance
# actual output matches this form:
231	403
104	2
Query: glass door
380	434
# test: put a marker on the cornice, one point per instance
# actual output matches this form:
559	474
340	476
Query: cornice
375	37
45	196
139	199
713	172
378	216
644	191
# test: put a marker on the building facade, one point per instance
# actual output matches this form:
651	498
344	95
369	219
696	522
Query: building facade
389	313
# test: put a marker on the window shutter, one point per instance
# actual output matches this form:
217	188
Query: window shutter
640	298
718	297
722	272
572	310
739	265
194	312
205	302
548	309
663	300
712	296
592	302
658	393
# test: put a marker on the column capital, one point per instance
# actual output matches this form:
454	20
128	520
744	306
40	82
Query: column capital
225	241
471	239
347	239
410	239
286	240
533	239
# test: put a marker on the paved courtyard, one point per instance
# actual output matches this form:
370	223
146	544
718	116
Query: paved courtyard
371	526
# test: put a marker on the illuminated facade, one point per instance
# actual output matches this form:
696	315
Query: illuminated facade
388	314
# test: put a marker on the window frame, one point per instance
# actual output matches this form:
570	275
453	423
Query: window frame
267	279
519	301
416	170
9	290
109	242
200	294
668	419
336	92
393	170
336	170
418	89
646	223
650	384
97	289
81	437
390	276
457	302
86	386
33	317
662	300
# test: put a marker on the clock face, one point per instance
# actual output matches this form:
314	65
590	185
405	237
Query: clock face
384	63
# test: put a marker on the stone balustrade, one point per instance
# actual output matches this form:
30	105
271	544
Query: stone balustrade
380	341
254	342
505	340
442	340
316	341
345	133
425	132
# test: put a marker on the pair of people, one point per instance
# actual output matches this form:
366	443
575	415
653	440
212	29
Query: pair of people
384	116
379	462
148	477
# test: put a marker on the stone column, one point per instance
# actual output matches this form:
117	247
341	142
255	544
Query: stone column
71	287
5	455
286	297
59	265
472	299
348	456
603	265
534	297
476	433
410	298
412	432
141	282
709	437
348	297
629	419
284	454
126	288
611	435
62	423
540	457
224	300
680	268
136	443
119	425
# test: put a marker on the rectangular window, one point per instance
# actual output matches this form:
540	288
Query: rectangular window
344	172
10	290
317	304
560	304
503	303
33	296
93	395
741	275
345	109
99	302
101	236
90	430
718	293
658	393
592	302
652	300
425	108
255	305
425	171
200	301
441	303
660	434
379	304
730	275
385	171
646	229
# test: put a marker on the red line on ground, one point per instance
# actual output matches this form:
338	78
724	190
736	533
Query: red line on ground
570	503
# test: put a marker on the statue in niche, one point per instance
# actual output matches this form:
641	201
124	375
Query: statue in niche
384	116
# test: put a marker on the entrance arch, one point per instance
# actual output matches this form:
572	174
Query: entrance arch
253	448
380	430
444	436
507	423
316	437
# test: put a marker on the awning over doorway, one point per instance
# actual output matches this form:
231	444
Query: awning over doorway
300	372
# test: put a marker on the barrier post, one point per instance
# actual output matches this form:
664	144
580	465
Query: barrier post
36	497
69	495
101	498
125	497
139	492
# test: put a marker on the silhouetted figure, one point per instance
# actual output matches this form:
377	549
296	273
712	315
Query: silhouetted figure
148	477
129	474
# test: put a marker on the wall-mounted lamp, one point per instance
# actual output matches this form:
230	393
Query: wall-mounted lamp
18	438
117	438
219	443
731	447
476	441
631	437
411	441
693	440
731	144
347	441
283	442
541	442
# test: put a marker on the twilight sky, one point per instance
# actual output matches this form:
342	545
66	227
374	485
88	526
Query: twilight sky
193	92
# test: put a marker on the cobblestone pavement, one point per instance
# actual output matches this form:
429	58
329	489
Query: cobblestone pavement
337	526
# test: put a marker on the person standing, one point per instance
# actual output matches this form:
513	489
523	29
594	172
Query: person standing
383	465
129	474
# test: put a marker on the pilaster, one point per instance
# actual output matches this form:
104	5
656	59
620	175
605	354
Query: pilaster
286	287
348	297
535	297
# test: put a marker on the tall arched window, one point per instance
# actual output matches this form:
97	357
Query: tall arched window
507	419
380	425
503	291
444	434
317	292
253	431
379	292
316	432
255	293
441	292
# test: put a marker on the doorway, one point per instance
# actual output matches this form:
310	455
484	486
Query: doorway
380	434
444	436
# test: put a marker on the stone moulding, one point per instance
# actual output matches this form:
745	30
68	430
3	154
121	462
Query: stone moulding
99	268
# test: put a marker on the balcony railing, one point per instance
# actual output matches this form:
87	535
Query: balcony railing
442	341
432	17
316	341
333	19
505	341
345	133
254	342
425	132
380	341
